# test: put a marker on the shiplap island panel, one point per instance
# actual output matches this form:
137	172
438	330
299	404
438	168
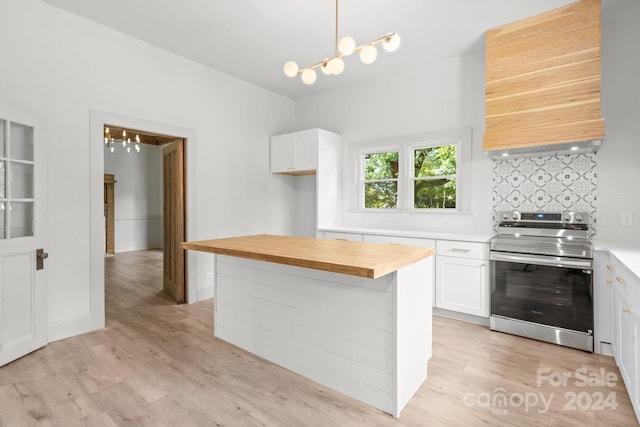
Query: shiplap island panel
349	315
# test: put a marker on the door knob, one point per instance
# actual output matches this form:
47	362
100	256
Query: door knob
41	255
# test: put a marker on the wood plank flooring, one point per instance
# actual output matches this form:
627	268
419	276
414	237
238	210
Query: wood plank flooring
157	364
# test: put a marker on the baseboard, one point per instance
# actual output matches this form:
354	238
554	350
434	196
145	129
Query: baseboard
205	293
484	321
69	327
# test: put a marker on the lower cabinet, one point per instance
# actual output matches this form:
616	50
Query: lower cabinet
625	322
462	277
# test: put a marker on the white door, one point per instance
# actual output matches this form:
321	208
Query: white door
23	316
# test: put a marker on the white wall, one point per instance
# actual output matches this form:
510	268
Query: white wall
440	96
137	196
619	156
61	67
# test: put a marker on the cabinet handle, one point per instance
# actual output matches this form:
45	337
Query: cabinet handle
610	268
343	240
460	250
620	280
609	281
626	310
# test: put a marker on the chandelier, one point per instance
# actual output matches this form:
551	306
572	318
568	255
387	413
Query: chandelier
346	46
111	141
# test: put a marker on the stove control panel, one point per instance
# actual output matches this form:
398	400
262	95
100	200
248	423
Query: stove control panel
547	217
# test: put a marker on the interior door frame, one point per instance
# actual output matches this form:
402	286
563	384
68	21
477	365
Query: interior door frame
98	119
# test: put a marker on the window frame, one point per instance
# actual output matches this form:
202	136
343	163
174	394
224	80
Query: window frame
411	178
362	181
405	146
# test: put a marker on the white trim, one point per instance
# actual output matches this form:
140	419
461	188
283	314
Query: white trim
404	144
98	119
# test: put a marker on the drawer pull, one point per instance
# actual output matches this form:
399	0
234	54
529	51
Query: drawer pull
343	240
626	310
610	268
620	280
609	281
460	250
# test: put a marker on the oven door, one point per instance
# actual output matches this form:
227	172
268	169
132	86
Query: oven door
547	290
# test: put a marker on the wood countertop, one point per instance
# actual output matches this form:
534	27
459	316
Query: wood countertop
371	260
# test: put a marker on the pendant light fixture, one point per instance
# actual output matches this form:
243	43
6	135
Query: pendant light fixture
110	141
346	46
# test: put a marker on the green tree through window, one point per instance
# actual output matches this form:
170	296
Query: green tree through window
434	177
381	180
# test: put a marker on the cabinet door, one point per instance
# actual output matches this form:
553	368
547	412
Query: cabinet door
462	285
282	153
305	151
603	283
336	235
626	350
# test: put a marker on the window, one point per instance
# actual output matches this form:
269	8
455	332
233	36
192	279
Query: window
422	173
381	180
434	177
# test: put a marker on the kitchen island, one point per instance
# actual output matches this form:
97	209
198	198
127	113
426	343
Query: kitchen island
352	316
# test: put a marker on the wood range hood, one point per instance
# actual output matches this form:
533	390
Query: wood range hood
543	83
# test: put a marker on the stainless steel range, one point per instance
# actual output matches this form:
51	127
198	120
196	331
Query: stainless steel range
541	277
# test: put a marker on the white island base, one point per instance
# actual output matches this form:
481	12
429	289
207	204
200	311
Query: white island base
367	338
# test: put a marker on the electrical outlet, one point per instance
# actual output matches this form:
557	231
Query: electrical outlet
626	219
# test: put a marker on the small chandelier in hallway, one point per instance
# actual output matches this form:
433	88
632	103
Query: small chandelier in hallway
111	141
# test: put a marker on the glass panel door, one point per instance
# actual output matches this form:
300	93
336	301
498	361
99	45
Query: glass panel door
17	197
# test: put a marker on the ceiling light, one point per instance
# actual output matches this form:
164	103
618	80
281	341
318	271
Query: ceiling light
110	141
347	46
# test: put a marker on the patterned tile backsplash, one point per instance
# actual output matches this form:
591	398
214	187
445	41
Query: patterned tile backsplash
551	184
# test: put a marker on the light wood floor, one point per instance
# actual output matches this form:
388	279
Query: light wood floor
157	364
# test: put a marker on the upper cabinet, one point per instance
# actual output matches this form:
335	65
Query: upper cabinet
543	82
295	153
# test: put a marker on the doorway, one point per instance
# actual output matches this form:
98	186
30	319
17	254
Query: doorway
148	199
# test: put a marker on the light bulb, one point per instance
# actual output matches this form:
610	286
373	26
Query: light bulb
128	149
106	140
391	44
138	148
326	68
308	76
137	139
337	65
368	54
291	69
124	143
112	148
347	45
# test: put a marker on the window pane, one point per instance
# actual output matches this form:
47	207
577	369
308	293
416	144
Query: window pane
21	139
435	161
434	193
3	235
21	219
3	179
2	141
21	181
381	165
381	194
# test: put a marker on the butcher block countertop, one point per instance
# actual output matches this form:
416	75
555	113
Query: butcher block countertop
371	260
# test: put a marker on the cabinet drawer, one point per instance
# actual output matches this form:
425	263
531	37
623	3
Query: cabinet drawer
397	240
624	280
335	235
462	249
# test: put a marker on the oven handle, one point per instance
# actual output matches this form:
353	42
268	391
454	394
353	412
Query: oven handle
542	260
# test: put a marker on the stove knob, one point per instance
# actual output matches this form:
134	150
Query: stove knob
567	218
516	215
505	216
579	218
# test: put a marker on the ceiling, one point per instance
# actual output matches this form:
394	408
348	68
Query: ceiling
252	39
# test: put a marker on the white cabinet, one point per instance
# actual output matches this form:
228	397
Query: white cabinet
625	320
462	277
603	278
295	153
398	240
305	182
334	235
